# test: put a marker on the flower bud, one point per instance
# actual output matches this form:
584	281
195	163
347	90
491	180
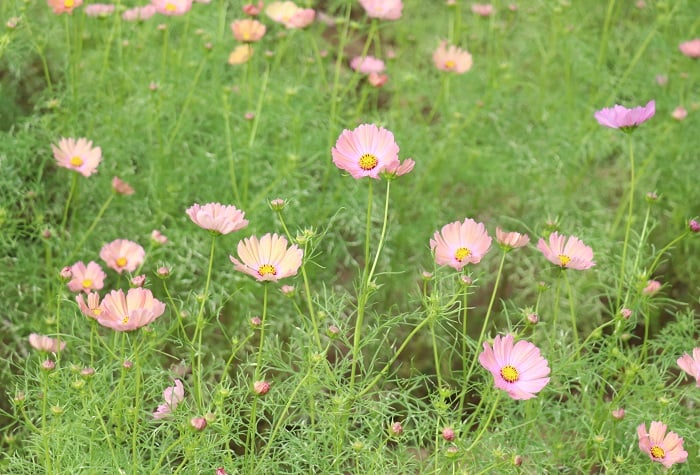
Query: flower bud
261	388
198	423
448	434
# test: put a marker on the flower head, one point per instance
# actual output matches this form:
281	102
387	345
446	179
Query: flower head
383	9
569	253
99	10
376	79
366	151
46	343
129	312
268	258
86	278
121	187
367	64
518	368
253	9
223	219
91	308
619	117
691	365
240	55
173	396
401	168
290	15
690	48
679	113
78	155
666	449
122	255
511	240
452	59
172	7
458	244
248	30
64	6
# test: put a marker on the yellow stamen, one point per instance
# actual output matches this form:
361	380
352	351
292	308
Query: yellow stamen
564	260
68	3
125	320
510	374
266	269
657	452
462	253
76	161
87	283
368	161
170	7
121	262
449	64
97	311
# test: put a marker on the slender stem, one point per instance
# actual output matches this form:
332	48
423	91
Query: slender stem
572	311
555	310
604	36
485	425
92	227
642	240
229	147
436	356
660	254
188	99
253	423
628	226
71	194
136	459
383	233
199	327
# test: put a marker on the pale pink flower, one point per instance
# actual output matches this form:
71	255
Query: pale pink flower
666	449
198	423
569	253
458	244
452	59
248	30
302	18
78	155
64	6
690	48
122	255
86	278
383	9
619	117
172	7
173	396
139	13
138	280
402	168
223	219
691	365
625	313
131	311
290	15
618	413
99	10
240	55
376	79
652	287
267	259
511	240
366	151
121	187
367	64
518	368
679	113
482	9
158	237
91	308
253	9
46	343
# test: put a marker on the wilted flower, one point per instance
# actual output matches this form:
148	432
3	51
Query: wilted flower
690	48
267	259
458	244
48	365
568	253
138	280
619	117
287	290
666	449
158	237
367	64
396	429
482	9
129	312
77	155
241	54
86	278
46	343
533	318
172	7
399	169
248	30
12	22
223	219
652	287
383	9
691	365
173	396
511	240
452	59
625	313
448	433
64	6
122	255
198	423
122	187
278	204
694	226
366	151
163	272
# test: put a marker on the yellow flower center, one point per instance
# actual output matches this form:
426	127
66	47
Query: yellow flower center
368	161
76	161
266	269
462	253
246	35
121	262
87	283
449	64
97	311
657	452
125	320
510	374
68	3
170	7
564	260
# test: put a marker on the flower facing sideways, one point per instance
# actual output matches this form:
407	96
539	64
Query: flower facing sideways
452	59
511	240
383	9
90	308
223	219
268	258
367	65
172	7
458	244
518	368
567	253
173	396
619	117
123	255
78	155
691	365
290	15
129	312
86	278
690	48
366	151
46	343
666	449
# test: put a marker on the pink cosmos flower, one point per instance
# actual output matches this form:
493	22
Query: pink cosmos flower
383	9
619	117
377	80
172	7
511	240
402	168
452	59
690	48
267	259
64	6
223	219
290	15
86	278
253	9
248	30
99	10
679	113
78	155
129	312
367	64
121	187
122	255
139	13
158	237
173	396
91	308
691	365
618	413
458	244
569	253
652	287
240	55
482	9
518	368
46	343
366	151
666	449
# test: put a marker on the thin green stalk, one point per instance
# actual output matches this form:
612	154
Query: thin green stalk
185	105
660	254
485	425
48	462
436	356
165	453
604	36
640	245
229	147
253	423
91	228
555	309
136	459
254	131
382	236
572	311
628	226
71	195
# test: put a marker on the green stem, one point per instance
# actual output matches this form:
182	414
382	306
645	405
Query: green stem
572	311
660	254
185	105
136	459
555	310
628	226
199	327
91	228
229	147
253	423
485	425
71	194
436	356
382	236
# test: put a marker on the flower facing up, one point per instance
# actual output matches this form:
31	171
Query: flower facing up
452	59
383	9
90	308
268	258
122	255
568	253
518	368
511	240
690	48
240	54
223	219
367	64
173	396
172	7
458	244
620	117
248	30
691	365
366	151
46	343
666	449
78	155
290	15
129	312
64	6
86	278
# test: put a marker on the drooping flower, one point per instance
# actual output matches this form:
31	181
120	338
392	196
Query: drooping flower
122	255
64	6
482	9
518	368
223	219
78	155
86	278
383	9
240	55
248	30
173	396
569	253
690	48
452	59
100	10
691	365
139	13
129	312
666	449
290	15
620	117
458	244
91	308
268	258
46	343
367	64
511	240
172	7
366	151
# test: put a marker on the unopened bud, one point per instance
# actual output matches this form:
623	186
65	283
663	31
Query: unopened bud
261	387
198	423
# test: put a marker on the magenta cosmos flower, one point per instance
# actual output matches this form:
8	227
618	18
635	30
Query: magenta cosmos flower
248	30
267	259
518	368
290	15
511	240
86	278
690	48
46	343
458	244
366	151
122	255
129	312
367	65
691	365
172	7
666	449
78	155
223	219
569	253
452	59
619	117
64	6
173	396
383	9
